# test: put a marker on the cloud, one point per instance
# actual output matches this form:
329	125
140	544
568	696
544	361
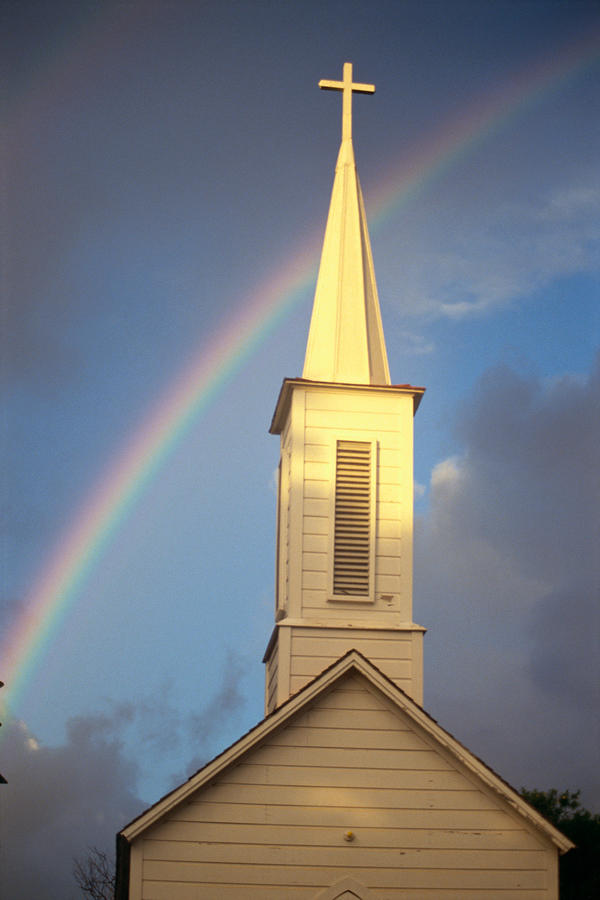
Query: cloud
62	800
531	464
419	490
459	260
507	580
201	728
565	660
414	344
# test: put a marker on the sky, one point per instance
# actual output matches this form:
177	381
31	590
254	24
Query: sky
168	167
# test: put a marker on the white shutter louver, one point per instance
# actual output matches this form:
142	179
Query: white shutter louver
352	529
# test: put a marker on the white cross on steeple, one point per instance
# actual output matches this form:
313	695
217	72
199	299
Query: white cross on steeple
347	87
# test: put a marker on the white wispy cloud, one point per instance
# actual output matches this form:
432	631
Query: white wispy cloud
463	261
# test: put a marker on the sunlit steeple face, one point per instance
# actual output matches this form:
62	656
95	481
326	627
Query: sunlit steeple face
346	342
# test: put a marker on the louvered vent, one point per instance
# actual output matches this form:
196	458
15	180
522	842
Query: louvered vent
352	518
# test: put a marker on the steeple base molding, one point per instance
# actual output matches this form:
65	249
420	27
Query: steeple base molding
300	649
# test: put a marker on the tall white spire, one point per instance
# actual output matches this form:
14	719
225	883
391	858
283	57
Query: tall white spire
345	341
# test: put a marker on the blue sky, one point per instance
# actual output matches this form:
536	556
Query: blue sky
164	158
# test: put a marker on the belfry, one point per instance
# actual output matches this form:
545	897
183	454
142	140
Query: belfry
345	504
347	789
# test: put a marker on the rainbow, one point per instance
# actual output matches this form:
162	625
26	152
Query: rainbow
221	357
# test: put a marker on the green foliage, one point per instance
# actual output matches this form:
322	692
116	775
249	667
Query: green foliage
579	870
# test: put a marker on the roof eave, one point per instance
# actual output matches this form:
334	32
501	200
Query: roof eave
285	394
339	668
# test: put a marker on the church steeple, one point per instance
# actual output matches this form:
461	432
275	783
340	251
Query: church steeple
345	499
346	342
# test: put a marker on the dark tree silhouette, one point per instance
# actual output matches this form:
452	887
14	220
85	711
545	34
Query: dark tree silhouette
579	870
95	875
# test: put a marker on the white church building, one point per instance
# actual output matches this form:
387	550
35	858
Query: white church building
347	789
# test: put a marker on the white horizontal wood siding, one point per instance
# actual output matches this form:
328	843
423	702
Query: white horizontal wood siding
385	420
273	826
315	649
317	418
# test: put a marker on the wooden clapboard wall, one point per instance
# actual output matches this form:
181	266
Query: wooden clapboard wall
275	825
319	614
384	421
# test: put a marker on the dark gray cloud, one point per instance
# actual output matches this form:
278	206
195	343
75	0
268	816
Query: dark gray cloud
62	800
565	657
507	580
531	465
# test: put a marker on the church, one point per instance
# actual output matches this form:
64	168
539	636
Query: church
347	789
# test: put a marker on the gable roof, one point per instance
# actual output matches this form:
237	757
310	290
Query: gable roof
352	661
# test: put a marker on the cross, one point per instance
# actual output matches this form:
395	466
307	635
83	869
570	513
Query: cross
347	87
